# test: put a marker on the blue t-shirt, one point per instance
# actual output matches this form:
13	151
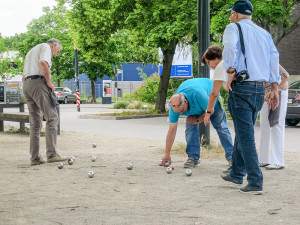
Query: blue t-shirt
197	92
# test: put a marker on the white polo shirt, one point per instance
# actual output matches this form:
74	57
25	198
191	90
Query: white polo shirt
41	52
220	73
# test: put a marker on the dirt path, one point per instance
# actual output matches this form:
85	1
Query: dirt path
145	195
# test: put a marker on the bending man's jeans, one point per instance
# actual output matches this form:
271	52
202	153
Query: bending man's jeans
244	103
219	122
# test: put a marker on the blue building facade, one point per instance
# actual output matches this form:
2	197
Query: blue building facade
130	73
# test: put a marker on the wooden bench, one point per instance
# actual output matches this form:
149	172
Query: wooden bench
21	117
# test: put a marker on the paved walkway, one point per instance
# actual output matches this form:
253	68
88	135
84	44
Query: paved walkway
150	128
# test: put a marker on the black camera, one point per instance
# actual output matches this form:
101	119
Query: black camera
242	76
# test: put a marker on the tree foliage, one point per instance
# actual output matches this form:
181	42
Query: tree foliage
275	16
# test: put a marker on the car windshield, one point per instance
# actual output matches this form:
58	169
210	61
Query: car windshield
59	89
295	85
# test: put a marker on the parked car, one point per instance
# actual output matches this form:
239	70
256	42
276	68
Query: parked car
65	95
293	109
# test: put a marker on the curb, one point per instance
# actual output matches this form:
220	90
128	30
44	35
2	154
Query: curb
90	116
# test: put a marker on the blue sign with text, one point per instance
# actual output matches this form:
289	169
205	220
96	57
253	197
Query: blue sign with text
179	70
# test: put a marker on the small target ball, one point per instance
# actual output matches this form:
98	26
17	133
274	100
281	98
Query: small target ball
188	172
169	170
129	166
91	174
60	165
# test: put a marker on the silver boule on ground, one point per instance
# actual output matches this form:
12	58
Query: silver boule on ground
70	161
91	174
60	165
129	166
169	170
188	172
94	145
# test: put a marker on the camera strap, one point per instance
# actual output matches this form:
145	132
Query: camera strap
242	42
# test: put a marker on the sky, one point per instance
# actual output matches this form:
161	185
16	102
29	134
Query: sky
15	15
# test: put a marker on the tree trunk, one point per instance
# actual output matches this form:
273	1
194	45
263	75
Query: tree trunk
58	82
93	92
165	77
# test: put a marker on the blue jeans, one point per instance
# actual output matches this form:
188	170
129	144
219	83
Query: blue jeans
219	122
244	103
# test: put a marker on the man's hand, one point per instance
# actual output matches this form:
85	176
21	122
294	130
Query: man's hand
207	117
166	158
51	86
231	73
267	95
273	100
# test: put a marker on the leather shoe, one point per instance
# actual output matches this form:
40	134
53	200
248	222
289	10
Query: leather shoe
227	177
56	158
36	163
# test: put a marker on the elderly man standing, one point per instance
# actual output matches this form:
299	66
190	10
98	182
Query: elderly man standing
38	88
247	70
191	99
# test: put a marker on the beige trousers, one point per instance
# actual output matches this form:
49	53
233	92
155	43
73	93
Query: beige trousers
39	104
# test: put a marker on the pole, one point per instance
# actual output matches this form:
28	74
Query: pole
203	44
77	78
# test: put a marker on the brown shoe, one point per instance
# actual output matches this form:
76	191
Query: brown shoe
36	163
56	158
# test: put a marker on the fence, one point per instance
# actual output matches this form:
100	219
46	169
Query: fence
118	89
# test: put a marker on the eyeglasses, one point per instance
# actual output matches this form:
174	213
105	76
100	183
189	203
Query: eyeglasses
175	106
230	15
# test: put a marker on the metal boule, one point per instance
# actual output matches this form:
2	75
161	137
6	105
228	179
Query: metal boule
129	166
188	172
60	165
91	174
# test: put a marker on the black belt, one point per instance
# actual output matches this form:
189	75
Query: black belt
255	83
32	77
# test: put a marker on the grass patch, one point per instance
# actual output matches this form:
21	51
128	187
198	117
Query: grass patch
213	151
132	113
26	131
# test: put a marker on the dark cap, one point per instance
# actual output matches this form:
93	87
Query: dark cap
243	7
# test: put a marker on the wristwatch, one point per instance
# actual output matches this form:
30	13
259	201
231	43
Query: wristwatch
208	111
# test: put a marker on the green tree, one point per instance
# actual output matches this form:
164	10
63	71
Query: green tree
162	24
102	38
51	24
275	16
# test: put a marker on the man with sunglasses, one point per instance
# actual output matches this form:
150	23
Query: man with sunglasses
191	99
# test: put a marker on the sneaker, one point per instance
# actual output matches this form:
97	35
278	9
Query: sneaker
227	177
190	163
251	190
36	163
229	163
56	158
274	167
227	171
263	164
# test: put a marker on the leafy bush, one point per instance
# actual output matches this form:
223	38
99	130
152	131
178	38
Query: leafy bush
127	97
148	91
224	94
121	105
